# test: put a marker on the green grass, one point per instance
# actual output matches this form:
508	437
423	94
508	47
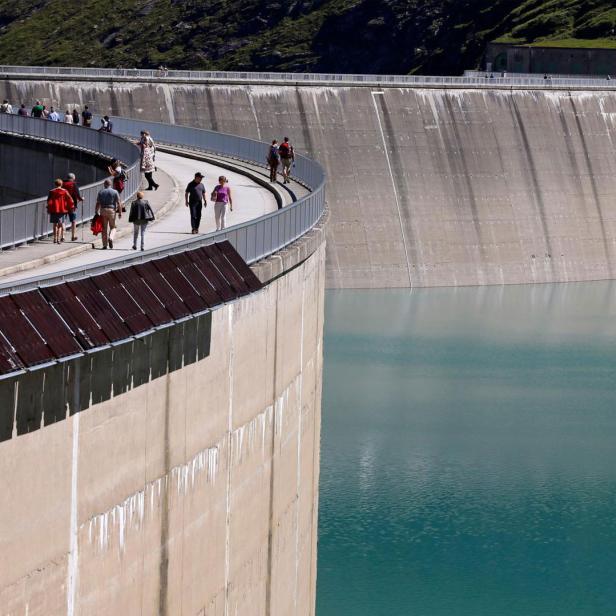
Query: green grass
402	36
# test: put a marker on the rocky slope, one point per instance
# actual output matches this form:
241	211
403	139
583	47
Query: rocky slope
380	36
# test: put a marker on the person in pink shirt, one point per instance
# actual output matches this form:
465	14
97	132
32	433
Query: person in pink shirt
221	196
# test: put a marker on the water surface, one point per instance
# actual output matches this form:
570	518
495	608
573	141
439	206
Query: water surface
469	452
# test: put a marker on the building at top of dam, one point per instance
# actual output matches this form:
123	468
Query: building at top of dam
431	182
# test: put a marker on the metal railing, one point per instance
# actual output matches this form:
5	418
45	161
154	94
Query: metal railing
28	220
254	239
510	81
505	74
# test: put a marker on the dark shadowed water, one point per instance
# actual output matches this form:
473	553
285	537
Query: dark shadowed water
469	452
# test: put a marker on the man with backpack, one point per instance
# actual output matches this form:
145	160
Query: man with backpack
273	160
86	117
119	175
287	156
6	107
106	126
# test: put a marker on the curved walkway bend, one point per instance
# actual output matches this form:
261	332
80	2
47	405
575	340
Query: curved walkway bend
172	224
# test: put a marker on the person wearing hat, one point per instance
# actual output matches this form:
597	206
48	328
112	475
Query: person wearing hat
195	198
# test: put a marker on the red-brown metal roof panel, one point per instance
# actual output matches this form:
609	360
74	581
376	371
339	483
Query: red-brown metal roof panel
240	266
128	309
9	361
180	284
100	309
143	295
210	271
190	270
47	323
26	341
79	320
226	269
163	290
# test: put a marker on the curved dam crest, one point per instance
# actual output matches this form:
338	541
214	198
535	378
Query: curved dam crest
428	187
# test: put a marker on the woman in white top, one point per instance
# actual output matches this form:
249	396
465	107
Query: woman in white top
68	118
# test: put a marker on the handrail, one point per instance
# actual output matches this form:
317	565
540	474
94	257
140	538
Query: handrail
554	81
254	239
28	220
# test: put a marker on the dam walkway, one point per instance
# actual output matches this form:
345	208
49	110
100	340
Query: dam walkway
252	199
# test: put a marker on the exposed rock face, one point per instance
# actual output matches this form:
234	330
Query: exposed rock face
368	36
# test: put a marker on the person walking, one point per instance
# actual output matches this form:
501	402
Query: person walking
59	203
108	203
116	171
221	196
86	117
195	199
68	118
6	107
22	111
37	110
273	160
140	215
148	155
106	125
287	157
70	184
75	116
54	116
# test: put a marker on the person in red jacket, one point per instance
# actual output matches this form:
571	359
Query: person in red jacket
59	203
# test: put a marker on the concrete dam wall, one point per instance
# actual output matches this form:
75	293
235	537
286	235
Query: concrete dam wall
427	187
176	473
29	167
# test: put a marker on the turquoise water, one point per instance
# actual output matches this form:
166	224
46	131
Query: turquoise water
469	452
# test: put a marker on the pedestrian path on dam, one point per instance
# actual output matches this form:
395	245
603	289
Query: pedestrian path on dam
251	200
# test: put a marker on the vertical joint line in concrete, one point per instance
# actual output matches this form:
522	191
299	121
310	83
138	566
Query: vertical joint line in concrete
298	478
229	459
73	555
393	182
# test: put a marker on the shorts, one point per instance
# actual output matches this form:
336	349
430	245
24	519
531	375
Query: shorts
72	216
287	162
56	218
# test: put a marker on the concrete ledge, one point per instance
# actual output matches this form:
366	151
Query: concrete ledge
306	84
274	266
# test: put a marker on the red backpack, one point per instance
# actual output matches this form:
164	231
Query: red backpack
284	150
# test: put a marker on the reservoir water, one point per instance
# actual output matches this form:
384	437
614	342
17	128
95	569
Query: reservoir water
469	452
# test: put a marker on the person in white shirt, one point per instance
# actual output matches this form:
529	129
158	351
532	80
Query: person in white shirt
53	115
6	107
68	118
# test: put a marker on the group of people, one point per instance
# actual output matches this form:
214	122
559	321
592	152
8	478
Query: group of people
64	198
281	154
195	198
41	111
63	201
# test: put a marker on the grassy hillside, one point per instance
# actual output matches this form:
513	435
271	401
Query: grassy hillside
402	36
